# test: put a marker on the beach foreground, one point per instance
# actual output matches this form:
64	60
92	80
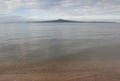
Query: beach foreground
67	68
72	71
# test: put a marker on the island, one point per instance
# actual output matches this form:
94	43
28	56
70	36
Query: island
60	21
69	21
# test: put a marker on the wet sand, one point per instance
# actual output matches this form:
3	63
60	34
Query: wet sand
102	65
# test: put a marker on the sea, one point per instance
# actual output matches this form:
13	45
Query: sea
42	41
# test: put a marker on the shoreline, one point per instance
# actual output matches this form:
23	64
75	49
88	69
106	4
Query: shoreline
102	65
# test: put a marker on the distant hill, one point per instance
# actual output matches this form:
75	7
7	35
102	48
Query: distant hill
69	21
60	20
54	21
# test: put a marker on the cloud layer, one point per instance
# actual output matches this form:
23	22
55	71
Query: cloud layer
68	9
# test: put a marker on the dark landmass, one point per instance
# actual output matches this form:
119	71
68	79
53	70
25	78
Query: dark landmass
55	21
60	20
70	21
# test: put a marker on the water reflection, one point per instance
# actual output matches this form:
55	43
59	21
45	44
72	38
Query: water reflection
55	44
43	41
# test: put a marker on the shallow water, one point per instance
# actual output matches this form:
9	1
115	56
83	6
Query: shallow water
38	41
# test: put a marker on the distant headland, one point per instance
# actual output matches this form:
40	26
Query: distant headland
69	21
60	20
55	21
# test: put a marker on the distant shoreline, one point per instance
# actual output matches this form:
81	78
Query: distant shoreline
62	21
70	21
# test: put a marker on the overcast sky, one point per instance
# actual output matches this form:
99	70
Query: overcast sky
54	9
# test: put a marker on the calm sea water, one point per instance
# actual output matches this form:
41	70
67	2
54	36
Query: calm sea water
46	40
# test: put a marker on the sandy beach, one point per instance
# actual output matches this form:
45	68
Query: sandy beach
66	68
86	71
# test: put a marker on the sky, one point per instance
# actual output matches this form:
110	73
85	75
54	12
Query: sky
59	9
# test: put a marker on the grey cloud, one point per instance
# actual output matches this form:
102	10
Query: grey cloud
63	8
